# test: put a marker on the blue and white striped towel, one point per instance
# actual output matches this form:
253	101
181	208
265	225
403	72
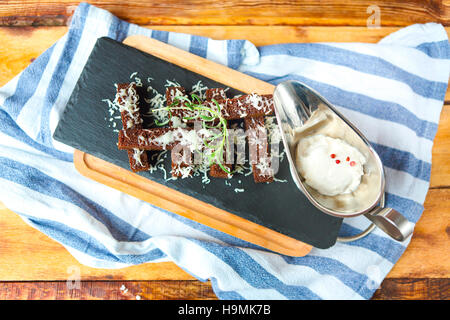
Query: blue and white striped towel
392	90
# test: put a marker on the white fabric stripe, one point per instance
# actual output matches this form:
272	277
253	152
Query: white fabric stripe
415	35
216	52
14	145
207	265
436	69
29	118
135	29
375	130
405	185
62	147
348	79
180	40
92	262
298	275
250	54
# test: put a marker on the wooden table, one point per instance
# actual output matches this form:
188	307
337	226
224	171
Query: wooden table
32	266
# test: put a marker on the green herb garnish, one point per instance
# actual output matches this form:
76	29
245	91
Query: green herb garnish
210	119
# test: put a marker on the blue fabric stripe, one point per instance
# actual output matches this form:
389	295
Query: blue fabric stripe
199	46
10	128
234	53
385	247
85	243
27	84
438	50
361	103
255	275
70	47
409	208
118	29
160	35
38	181
332	267
403	161
359	62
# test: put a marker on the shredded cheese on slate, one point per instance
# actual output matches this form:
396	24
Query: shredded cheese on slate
184	172
172	84
200	90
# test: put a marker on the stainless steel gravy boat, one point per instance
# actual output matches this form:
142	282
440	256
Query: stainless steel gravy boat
294	104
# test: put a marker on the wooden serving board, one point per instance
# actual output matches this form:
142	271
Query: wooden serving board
273	229
189	207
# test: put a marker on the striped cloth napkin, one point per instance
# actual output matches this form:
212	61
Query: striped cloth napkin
393	91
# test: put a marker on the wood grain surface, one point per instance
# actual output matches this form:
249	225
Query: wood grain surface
392	289
234	12
32	266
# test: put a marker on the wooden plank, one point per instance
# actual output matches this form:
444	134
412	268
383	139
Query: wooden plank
20	46
413	289
107	290
440	163
390	289
267	35
234	12
427	254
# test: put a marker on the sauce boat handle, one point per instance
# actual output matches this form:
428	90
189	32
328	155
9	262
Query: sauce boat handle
391	222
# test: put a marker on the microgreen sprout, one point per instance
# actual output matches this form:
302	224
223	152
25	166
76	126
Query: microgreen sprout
211	118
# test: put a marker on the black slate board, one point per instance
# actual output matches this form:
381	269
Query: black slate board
85	125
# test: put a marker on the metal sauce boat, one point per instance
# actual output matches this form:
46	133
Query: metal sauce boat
294	104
